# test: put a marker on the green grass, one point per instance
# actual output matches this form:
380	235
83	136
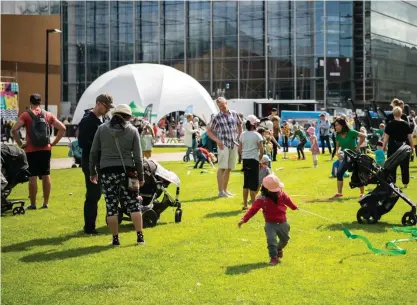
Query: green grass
62	151
206	259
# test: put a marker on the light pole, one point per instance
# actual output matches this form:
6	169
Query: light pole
48	31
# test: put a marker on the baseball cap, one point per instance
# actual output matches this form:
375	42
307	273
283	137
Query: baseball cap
35	98
323	114
272	183
105	98
253	119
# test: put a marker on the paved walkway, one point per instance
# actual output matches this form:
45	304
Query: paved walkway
62	163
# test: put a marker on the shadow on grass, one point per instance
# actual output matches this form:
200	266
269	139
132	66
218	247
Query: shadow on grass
240	269
380	227
223	214
201	199
331	199
60	255
23	246
354	255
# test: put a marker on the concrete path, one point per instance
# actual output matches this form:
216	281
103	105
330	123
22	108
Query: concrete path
63	163
68	162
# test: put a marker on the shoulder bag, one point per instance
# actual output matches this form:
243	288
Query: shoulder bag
132	180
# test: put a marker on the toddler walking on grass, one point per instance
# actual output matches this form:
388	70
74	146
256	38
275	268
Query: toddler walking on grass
273	202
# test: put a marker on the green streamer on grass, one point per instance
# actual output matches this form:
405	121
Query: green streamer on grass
393	248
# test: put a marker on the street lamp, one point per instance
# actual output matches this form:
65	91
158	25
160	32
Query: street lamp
48	31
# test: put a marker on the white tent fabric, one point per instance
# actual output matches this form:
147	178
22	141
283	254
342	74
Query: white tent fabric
166	88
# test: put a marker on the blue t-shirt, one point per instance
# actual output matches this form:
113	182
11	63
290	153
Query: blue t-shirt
379	156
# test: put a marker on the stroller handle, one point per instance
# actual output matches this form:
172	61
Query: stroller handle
351	154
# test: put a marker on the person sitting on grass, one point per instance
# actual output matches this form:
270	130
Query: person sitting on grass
380	154
273	202
202	155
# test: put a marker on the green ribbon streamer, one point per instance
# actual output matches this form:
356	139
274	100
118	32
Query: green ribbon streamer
395	249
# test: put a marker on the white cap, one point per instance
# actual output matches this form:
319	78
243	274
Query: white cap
265	159
123	109
253	119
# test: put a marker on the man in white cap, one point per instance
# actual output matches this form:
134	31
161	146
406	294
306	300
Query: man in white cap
225	129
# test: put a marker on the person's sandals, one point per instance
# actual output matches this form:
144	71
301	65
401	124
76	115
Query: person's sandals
31	207
44	206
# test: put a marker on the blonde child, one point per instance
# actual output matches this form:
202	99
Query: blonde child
364	145
314	148
147	141
273	202
268	146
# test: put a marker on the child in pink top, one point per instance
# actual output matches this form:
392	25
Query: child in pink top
273	202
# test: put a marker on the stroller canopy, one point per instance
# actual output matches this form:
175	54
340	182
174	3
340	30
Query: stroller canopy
13	161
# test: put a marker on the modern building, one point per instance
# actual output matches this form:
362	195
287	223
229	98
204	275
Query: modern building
328	51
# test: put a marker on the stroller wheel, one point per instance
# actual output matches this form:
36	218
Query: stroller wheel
366	216
17	211
409	219
178	215
21	210
149	218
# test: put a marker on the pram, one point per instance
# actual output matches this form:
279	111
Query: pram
14	170
383	198
75	151
157	180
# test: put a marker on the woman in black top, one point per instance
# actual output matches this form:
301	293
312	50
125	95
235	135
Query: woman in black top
398	132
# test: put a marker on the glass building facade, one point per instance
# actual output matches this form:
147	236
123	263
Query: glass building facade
329	51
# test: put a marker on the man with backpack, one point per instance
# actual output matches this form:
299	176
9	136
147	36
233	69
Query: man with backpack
87	129
38	146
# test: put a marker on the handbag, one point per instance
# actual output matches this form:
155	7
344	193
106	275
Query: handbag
132	180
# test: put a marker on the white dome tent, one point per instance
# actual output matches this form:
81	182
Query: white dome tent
168	89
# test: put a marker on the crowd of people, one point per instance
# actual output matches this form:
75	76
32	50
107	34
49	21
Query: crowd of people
113	152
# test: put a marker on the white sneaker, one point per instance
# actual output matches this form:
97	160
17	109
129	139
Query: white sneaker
223	195
230	194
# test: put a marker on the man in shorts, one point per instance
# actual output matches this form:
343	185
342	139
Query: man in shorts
225	129
39	157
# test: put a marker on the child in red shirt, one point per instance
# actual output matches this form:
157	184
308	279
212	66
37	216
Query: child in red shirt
273	202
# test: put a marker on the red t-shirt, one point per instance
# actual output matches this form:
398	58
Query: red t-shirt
27	120
155	130
273	212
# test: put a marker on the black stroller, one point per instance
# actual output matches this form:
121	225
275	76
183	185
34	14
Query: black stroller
14	170
157	180
383	198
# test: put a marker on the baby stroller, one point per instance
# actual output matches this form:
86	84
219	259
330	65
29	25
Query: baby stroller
383	198
157	180
76	152
14	170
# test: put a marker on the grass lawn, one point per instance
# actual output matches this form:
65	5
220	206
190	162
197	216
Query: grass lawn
62	151
206	259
